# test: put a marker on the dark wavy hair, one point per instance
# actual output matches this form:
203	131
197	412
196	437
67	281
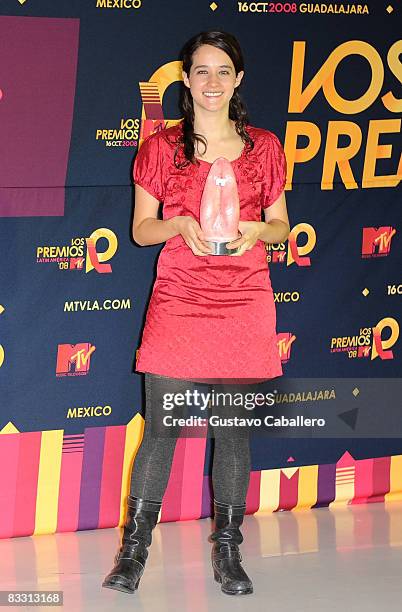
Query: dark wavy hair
237	110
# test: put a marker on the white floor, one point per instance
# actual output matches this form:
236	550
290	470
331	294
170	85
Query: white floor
348	558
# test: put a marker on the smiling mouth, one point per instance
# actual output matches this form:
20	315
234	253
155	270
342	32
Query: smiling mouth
213	94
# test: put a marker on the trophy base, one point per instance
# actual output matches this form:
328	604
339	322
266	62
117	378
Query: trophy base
220	248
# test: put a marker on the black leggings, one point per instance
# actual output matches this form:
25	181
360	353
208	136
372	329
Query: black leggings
153	461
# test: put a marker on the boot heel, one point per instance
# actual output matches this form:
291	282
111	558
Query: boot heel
137	583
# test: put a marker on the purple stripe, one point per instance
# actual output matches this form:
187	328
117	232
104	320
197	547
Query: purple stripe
91	478
325	485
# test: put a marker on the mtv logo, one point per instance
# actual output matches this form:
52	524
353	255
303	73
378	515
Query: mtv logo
364	351
74	359
76	263
284	342
376	241
278	256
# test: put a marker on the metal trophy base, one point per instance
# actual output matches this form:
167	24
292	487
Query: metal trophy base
220	248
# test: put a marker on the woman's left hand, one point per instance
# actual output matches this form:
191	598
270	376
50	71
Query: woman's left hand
250	231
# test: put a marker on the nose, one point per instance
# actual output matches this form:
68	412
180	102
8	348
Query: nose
213	79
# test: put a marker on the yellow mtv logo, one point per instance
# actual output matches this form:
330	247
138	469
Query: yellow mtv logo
384	239
81	357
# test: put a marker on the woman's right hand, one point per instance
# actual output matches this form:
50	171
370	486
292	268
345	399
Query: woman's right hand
192	235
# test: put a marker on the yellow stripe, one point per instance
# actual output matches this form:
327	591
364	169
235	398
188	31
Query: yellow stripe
342	523
134	432
146	85
270	535
307	528
269	490
47	496
395	482
395	524
344	491
308	482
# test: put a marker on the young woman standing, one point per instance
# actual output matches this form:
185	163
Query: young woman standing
211	318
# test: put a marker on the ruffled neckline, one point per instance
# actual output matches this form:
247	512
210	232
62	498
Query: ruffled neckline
231	161
244	155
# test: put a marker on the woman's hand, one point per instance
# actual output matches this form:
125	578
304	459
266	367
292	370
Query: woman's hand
192	234
250	231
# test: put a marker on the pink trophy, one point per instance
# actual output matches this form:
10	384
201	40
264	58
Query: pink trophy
220	208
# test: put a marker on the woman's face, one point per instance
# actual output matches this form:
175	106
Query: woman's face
212	79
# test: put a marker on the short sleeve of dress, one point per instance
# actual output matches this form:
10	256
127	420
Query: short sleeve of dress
148	166
275	171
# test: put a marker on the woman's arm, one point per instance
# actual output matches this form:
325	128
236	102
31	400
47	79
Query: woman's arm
274	229
148	229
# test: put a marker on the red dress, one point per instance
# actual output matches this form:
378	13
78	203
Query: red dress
211	317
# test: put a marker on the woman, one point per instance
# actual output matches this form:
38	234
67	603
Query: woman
211	318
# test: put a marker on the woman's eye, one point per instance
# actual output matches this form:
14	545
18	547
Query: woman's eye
221	72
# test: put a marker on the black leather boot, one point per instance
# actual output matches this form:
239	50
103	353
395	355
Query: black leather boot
225	552
142	516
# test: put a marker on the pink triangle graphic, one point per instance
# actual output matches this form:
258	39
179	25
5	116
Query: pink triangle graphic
346	460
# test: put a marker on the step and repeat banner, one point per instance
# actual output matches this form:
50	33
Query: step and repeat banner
81	85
